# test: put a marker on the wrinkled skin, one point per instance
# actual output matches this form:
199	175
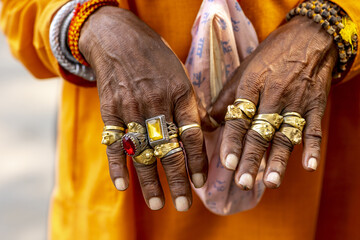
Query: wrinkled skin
139	77
289	72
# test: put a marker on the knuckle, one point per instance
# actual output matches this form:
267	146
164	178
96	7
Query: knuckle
313	142
115	149
283	142
313	132
252	162
237	127
193	142
256	140
174	163
280	159
181	92
147	174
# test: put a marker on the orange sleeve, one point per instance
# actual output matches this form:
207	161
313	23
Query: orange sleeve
26	24
352	8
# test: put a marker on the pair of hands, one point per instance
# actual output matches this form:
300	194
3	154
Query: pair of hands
139	77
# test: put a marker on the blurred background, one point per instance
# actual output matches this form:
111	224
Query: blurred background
28	109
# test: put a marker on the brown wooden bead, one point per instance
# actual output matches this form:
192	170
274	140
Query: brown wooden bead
317	18
325	24
325	14
310	13
333	11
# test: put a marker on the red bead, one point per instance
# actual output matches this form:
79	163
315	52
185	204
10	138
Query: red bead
128	145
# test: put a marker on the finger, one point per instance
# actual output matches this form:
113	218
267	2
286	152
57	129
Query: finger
313	132
116	157
150	185
255	145
175	170
254	149
186	113
281	149
312	140
174	164
235	130
148	177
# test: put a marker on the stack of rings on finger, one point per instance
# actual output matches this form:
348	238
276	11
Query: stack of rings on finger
159	134
112	134
135	144
294	132
266	125
241	109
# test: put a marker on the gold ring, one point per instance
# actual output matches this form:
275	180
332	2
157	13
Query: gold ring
136	128
295	121
292	114
248	107
109	136
186	127
273	118
241	109
293	134
162	150
146	157
106	128
159	131
265	129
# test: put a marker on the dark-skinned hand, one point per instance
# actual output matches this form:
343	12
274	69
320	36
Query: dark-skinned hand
290	71
139	77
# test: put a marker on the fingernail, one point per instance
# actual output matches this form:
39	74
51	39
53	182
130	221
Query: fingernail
312	163
231	161
120	184
246	181
274	178
155	203
198	180
181	204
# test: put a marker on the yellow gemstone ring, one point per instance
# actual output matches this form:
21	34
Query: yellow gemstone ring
159	131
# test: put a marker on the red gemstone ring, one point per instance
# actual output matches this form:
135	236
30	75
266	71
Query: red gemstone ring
134	143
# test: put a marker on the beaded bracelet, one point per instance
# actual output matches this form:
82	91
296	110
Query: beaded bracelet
81	14
336	23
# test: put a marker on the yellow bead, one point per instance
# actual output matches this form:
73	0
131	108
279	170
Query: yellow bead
154	129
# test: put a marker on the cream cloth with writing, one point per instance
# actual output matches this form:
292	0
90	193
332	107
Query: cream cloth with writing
222	38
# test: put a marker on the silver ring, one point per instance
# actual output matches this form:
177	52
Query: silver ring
178	149
159	131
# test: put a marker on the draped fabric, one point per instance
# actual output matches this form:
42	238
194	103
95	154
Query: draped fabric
85	204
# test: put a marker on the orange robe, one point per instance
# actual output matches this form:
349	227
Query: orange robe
85	204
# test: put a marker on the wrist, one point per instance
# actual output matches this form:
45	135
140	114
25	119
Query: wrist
97	33
336	23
